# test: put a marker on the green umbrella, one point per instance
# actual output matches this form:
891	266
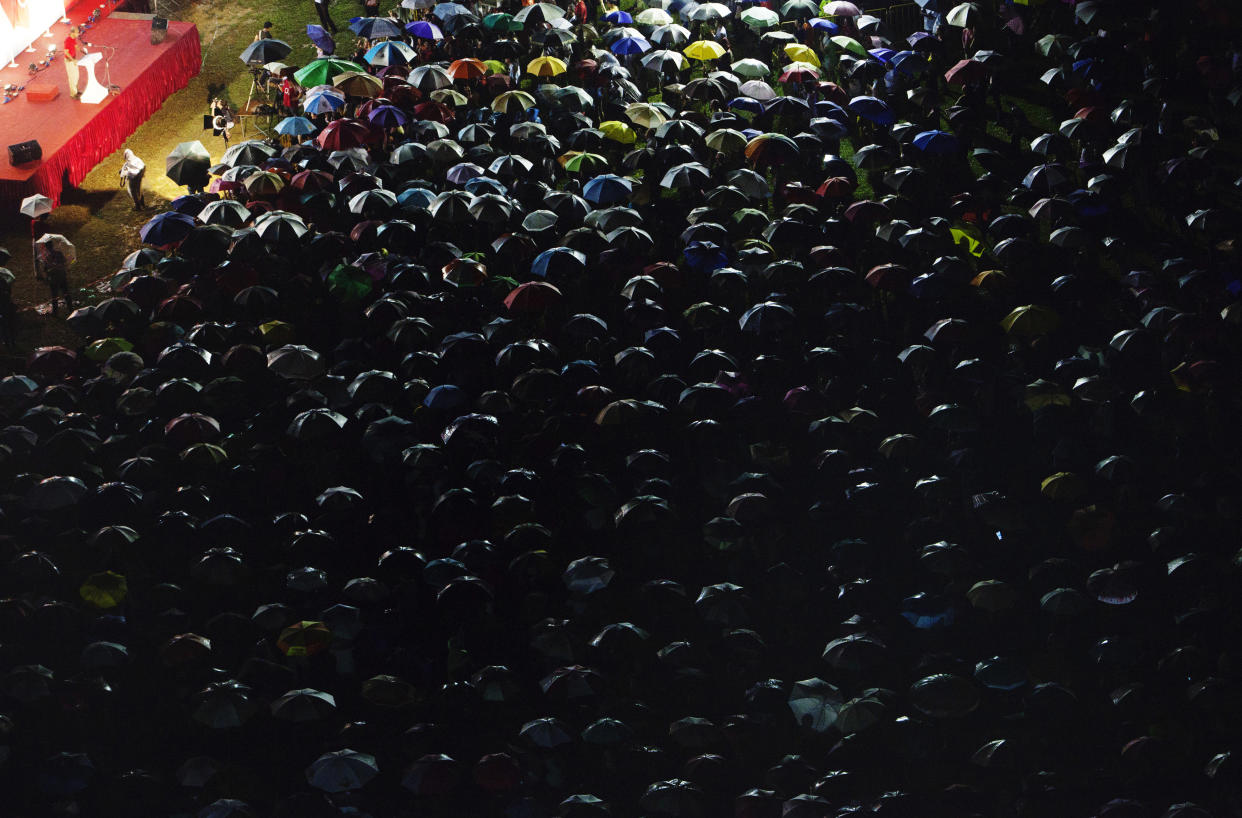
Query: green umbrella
850	44
348	284
501	22
758	17
321	72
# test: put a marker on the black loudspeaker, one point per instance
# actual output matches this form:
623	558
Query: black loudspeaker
159	29
23	152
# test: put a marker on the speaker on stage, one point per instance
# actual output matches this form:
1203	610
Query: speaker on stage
23	152
159	29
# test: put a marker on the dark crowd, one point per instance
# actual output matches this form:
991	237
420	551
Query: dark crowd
727	409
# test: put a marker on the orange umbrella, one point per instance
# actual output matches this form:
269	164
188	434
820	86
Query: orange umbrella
467	69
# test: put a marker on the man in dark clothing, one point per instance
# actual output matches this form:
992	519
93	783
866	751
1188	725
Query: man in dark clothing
325	19
56	274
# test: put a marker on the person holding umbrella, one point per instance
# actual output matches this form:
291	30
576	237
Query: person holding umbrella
55	254
131	175
187	165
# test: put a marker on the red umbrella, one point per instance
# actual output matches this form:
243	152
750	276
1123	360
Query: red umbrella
836	187
189	428
435	111
966	71
312	181
866	211
343	134
532	297
891	277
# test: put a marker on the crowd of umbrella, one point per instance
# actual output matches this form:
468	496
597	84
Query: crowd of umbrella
625	461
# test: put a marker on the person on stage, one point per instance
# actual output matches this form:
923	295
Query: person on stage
72	46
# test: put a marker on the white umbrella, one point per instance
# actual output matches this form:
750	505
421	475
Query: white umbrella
55	240
815	703
36	205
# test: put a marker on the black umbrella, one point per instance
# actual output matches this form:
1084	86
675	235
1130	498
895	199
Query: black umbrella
265	51
188	163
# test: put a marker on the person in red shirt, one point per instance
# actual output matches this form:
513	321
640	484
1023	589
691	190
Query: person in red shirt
71	60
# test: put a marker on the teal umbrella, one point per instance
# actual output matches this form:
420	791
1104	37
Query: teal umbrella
295	126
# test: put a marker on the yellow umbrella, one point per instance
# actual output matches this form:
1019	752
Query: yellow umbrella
358	84
106	589
512	101
704	50
802	53
1030	320
277	333
618	131
546	67
1041	394
449	96
494	66
305	638
1064	485
645	115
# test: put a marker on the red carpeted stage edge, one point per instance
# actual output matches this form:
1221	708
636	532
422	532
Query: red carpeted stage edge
74	135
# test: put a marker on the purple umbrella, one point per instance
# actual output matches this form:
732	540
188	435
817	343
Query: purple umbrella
321	38
388	116
425	30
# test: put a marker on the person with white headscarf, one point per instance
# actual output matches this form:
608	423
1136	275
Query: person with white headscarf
131	176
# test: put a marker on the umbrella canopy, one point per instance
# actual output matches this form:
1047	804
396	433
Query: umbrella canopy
265	51
35	205
321	71
188	163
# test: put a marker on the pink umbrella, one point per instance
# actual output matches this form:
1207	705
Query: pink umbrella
841	8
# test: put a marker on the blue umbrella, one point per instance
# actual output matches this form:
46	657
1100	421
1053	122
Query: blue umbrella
832	110
875	110
618	18
909	62
295	126
445	396
485	184
65	773
166	228
607	189
630	45
820	24
424	30
932	286
416	197
558	260
189	205
884	55
705	256
388	116
749	104
373	27
936	143
322	103
320	37
390	52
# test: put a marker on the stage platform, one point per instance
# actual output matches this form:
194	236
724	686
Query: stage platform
76	136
